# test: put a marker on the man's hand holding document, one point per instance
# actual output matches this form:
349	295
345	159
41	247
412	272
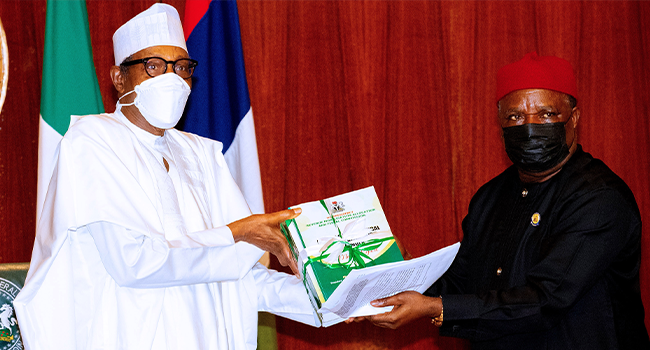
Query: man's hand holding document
348	256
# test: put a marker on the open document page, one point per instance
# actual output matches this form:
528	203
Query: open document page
353	296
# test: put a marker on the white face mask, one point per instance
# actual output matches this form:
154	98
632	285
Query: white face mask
160	100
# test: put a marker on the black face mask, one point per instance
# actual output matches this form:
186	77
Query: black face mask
536	147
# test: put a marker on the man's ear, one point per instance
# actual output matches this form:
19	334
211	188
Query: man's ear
575	116
118	79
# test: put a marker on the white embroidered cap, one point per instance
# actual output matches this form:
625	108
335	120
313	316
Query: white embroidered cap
158	25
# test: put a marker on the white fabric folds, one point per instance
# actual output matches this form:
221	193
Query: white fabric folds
105	274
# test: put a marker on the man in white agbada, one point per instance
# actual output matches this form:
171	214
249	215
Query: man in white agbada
145	241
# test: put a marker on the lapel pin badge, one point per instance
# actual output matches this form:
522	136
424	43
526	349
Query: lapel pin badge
534	220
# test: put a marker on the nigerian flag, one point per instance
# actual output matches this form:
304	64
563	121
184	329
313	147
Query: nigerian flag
69	85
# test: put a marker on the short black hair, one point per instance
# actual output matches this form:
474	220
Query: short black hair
572	101
125	69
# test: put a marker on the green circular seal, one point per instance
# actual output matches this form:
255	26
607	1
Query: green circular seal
9	333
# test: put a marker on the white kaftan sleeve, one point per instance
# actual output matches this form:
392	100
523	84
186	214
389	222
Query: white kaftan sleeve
136	260
283	295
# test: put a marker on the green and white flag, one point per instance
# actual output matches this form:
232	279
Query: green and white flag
69	85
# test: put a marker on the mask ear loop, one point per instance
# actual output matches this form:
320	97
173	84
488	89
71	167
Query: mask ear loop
575	132
120	105
575	137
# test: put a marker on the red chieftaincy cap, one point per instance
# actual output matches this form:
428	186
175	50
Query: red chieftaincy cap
537	72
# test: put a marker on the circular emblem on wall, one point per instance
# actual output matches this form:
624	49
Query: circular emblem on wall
9	333
534	220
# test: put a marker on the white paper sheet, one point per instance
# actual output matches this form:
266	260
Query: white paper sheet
353	296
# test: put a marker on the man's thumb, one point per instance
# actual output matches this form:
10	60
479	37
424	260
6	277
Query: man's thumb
288	214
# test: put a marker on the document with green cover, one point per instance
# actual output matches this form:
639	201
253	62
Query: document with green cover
349	257
335	236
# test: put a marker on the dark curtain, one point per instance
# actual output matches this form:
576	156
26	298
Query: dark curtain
395	94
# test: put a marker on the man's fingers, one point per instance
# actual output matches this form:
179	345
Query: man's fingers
286	259
384	302
384	320
286	214
294	268
355	319
294	213
397	299
291	262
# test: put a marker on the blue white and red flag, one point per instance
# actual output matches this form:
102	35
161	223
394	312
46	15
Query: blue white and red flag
219	106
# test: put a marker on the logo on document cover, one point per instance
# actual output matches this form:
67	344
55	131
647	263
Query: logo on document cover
337	207
9	333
